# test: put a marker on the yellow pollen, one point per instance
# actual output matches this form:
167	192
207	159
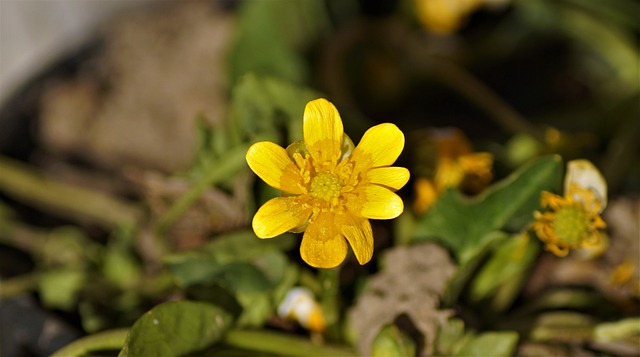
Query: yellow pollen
571	224
326	186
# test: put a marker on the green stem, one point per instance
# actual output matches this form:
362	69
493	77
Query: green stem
330	283
215	173
260	341
107	340
281	344
18	285
21	236
21	182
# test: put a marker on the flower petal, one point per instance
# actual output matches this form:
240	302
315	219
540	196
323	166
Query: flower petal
272	164
586	175
323	131
280	215
376	202
426	195
323	246
392	178
359	235
380	146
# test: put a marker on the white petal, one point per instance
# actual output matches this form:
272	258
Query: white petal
586	175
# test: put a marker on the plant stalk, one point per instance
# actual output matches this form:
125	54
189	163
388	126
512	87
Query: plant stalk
281	344
214	174
107	340
24	183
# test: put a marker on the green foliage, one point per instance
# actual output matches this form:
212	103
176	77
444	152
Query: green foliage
464	224
583	104
262	104
453	340
59	287
246	271
120	267
585	26
623	330
270	34
499	281
469	268
391	341
490	344
176	328
562	326
470	227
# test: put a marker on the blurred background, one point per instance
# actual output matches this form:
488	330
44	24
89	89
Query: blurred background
123	127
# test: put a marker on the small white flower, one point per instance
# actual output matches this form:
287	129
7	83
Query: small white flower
300	305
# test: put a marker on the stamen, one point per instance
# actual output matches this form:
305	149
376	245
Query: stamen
326	186
571	224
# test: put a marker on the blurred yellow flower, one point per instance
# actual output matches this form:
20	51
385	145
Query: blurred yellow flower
330	190
455	166
446	16
573	220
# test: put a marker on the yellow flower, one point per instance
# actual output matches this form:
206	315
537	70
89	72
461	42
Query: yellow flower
329	190
573	220
446	16
456	166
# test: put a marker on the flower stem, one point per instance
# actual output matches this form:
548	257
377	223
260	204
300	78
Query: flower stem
215	173
30	186
21	236
18	285
329	280
107	340
259	341
281	344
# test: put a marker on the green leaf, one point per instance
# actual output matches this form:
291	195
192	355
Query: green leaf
563	326
271	35
120	267
257	307
192	268
451	337
464	224
617	330
237	261
176	328
469	267
494	344
261	104
243	277
245	246
391	341
623	334
250	273
59	288
68	246
452	340
217	295
198	268
501	278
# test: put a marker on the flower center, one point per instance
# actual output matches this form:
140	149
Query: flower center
326	186
571	224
